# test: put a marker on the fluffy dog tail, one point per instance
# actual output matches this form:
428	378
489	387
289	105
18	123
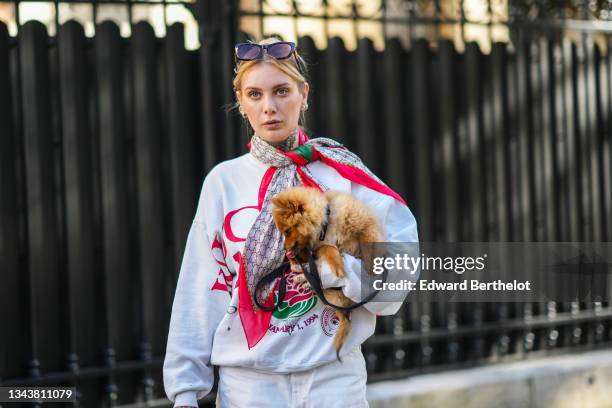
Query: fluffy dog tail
344	327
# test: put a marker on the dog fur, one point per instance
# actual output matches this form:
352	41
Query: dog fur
299	214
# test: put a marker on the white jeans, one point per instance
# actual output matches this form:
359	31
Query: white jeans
332	385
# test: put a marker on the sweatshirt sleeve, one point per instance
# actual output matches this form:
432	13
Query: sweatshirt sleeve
400	226
196	313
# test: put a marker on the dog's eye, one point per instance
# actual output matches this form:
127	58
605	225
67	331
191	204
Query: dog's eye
287	231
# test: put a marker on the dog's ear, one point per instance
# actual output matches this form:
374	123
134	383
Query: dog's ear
278	202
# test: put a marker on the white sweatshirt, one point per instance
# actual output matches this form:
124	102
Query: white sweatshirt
205	327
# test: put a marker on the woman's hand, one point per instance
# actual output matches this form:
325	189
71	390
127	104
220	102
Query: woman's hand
296	267
299	277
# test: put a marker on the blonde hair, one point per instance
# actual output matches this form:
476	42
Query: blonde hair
288	66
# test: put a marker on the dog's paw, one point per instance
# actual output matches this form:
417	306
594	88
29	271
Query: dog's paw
339	271
337	268
330	255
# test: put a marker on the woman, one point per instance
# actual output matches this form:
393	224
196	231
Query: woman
283	358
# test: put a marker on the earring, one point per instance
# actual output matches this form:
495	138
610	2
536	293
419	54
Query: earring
242	113
305	107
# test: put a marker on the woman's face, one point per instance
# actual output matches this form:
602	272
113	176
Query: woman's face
272	101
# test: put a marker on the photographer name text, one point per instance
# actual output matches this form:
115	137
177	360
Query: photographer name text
471	284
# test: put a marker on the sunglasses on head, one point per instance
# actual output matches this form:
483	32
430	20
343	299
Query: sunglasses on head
252	51
278	50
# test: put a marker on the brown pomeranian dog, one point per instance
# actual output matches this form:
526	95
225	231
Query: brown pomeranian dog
327	224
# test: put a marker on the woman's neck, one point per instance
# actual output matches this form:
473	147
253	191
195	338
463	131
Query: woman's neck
290	143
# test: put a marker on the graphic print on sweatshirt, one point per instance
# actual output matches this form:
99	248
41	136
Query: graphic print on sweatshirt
289	315
300	307
225	277
298	300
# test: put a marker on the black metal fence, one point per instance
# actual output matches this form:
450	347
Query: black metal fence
103	142
99	184
407	20
510	146
91	11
